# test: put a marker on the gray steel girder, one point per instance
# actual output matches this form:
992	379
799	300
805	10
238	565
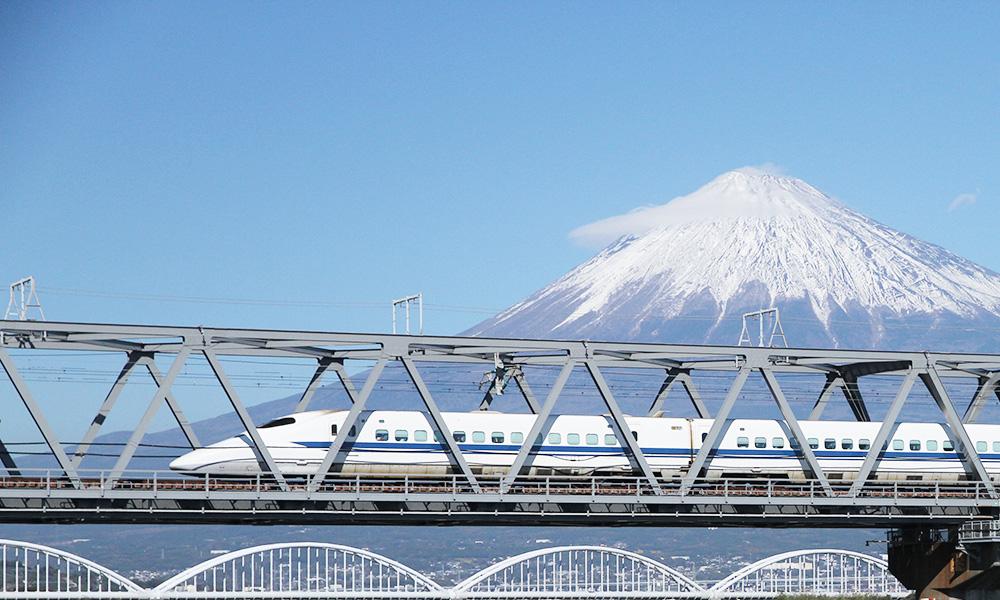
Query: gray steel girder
628	442
454	452
539	428
682	363
683	376
264	458
36	414
988	384
336	454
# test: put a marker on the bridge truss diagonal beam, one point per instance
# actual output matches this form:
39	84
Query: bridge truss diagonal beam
454	452
624	433
263	455
147	418
965	446
529	396
988	385
539	429
134	358
710	445
48	434
888	427
682	376
833	380
175	407
336	455
325	363
802	449
109	402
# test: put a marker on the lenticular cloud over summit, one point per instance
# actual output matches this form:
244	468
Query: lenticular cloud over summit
686	271
719	204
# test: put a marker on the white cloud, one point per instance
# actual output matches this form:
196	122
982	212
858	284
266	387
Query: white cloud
635	222
764	169
964	200
701	205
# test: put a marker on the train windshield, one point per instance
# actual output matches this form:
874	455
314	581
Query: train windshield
278	422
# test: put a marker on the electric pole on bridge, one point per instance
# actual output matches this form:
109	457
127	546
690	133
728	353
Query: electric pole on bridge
416	298
776	331
23	298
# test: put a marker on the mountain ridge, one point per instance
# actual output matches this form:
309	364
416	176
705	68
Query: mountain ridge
750	240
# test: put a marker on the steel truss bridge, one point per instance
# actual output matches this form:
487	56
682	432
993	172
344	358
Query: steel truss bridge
68	493
320	570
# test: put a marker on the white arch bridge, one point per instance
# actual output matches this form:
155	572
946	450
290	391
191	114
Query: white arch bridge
320	570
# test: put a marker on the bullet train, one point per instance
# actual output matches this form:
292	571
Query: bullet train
405	442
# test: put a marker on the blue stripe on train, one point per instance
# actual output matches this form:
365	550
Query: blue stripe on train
745	453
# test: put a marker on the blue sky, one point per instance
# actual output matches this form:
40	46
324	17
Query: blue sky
299	165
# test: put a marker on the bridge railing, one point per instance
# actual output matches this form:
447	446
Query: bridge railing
51	483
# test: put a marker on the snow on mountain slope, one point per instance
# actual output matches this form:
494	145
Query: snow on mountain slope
751	240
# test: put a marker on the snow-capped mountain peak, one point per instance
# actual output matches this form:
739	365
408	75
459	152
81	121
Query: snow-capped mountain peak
750	240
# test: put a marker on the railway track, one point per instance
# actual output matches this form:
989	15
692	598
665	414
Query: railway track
528	486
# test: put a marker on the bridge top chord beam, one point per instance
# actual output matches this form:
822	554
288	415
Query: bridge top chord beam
110	337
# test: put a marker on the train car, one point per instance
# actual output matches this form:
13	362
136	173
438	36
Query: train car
405	442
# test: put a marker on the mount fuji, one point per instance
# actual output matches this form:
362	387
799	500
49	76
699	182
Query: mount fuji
751	240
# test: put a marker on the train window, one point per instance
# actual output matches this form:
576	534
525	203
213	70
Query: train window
980	446
813	443
381	435
459	436
591	439
278	422
948	446
497	437
846	444
402	435
573	439
333	430
555	438
932	445
778	442
610	439
742	442
354	431
897	444
864	444
516	437
703	436
420	435
914	445
760	442
478	437
996	446
830	444
794	443
635	434
437	436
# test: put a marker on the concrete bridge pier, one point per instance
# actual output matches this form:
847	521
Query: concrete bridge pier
943	564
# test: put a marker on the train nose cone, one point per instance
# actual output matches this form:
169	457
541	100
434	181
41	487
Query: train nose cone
189	462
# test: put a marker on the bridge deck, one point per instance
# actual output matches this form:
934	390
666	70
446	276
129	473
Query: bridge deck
450	500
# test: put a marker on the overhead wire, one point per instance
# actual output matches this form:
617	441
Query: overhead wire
616	316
